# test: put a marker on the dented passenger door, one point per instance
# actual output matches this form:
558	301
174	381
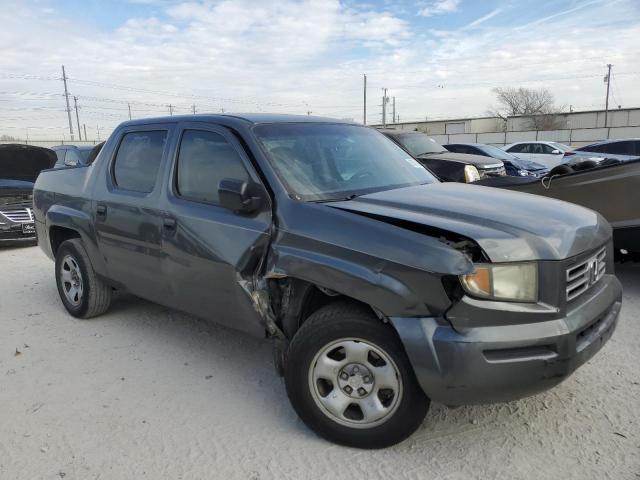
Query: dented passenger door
212	253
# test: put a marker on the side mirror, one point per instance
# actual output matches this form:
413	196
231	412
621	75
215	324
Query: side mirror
556	152
240	196
71	162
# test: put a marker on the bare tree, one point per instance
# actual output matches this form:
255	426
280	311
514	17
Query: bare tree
539	105
7	138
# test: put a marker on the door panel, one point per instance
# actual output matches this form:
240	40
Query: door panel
128	221
213	253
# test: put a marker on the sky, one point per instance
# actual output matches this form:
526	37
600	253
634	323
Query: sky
438	58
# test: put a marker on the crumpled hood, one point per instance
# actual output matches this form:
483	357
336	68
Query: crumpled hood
508	226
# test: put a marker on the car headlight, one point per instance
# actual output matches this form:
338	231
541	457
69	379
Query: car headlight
516	282
471	174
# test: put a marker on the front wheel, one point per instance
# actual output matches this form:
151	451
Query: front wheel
349	379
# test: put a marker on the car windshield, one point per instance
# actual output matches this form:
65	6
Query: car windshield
560	146
324	162
496	152
420	144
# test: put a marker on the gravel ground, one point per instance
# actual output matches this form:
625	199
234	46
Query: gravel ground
146	392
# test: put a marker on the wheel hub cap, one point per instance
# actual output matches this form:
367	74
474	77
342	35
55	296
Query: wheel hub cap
356	380
355	383
71	279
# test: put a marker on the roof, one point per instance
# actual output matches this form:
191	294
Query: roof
66	146
254	118
614	140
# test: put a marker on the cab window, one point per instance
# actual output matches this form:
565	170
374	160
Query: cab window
138	160
204	159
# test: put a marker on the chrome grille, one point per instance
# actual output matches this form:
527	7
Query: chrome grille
492	171
19	215
586	273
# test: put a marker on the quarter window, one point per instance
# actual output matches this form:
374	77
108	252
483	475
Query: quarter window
138	160
204	159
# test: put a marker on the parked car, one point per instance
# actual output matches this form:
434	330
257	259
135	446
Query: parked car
447	166
513	165
610	187
19	168
549	154
381	287
627	147
72	155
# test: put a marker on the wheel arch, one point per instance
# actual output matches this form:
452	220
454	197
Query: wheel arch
64	223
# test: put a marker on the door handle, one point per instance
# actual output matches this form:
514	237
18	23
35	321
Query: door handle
169	223
101	210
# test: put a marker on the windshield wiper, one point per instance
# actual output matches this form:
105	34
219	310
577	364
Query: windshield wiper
340	199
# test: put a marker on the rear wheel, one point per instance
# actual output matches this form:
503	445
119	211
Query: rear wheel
350	381
82	292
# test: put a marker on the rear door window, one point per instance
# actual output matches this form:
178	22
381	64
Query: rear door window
138	160
620	148
521	148
204	159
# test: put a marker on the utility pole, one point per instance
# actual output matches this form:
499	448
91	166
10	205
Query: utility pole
193	108
170	109
394	110
84	126
66	96
606	107
75	105
98	132
129	107
384	108
364	115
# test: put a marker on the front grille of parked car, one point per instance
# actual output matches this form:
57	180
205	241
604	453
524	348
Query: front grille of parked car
586	273
498	171
19	215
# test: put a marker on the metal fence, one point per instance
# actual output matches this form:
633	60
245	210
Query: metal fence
51	143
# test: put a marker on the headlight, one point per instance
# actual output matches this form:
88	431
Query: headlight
471	174
516	282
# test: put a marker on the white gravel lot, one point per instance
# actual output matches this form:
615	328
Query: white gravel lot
146	392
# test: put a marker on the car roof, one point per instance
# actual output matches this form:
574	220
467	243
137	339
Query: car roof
77	147
252	118
614	140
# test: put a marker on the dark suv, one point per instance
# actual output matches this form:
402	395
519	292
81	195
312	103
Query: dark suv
447	166
381	287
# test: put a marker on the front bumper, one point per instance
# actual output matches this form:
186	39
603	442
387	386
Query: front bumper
500	363
14	233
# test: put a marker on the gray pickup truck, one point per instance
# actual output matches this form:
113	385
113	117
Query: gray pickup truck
381	287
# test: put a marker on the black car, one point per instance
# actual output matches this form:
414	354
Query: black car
447	166
517	167
381	287
19	168
630	147
72	155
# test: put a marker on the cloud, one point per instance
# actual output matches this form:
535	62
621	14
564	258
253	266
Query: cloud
438	7
298	55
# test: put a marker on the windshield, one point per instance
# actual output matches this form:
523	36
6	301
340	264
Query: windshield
419	144
498	153
322	162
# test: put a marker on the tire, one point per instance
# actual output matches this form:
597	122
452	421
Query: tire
93	294
318	393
